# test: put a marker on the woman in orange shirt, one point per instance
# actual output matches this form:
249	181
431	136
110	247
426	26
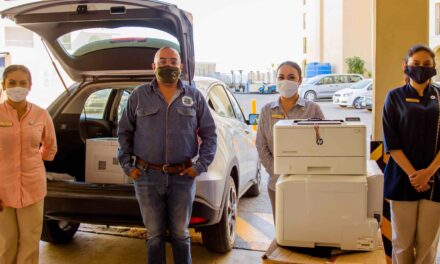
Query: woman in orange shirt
27	137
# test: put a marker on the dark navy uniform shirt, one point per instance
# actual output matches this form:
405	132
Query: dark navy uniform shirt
410	123
160	133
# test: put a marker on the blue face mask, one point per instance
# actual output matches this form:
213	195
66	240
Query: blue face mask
420	74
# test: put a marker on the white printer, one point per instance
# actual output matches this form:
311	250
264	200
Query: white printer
325	197
102	166
319	147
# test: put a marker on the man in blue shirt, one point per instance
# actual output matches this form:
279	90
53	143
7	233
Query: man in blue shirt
158	136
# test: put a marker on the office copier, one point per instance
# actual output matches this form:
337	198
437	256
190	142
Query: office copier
327	194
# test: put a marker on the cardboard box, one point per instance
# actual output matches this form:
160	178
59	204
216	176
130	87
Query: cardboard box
102	166
277	255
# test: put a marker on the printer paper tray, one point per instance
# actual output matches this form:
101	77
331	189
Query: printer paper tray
321	165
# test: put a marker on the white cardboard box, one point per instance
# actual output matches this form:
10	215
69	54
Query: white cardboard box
102	166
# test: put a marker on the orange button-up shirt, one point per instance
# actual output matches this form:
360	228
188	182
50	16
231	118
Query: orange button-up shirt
24	144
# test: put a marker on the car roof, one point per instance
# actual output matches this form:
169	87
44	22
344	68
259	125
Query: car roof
338	74
203	84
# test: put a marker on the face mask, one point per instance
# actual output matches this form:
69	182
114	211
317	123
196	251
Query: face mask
17	94
167	74
287	88
420	74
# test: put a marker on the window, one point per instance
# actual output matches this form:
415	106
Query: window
83	41
18	37
341	79
123	103
96	103
327	80
354	78
219	101
304	45
437	18
304	21
236	107
66	41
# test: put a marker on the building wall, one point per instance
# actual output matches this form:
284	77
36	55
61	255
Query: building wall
313	30
332	27
46	85
434	32
205	68
337	29
358	32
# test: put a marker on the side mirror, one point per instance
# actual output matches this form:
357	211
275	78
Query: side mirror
253	119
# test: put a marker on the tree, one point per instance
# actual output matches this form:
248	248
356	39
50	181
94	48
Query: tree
355	65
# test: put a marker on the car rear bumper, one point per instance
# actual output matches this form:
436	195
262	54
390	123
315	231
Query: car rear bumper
107	204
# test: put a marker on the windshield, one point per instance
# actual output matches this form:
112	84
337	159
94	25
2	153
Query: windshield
80	42
361	84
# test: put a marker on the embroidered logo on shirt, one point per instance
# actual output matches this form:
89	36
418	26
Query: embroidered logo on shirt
5	124
277	116
412	100
432	97
187	101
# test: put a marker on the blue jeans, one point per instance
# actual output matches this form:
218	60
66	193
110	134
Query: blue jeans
166	202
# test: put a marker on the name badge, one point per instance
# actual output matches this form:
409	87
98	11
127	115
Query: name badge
412	100
278	116
6	123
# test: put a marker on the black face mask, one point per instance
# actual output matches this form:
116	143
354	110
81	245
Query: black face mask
168	74
420	74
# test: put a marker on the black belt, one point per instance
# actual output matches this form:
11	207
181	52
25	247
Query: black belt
168	168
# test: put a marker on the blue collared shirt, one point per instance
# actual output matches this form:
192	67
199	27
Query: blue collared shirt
160	133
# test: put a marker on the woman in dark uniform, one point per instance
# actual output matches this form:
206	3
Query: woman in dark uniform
411	135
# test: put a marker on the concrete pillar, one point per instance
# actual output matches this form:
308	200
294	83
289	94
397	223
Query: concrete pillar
398	24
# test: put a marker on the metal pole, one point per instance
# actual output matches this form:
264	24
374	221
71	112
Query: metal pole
254	111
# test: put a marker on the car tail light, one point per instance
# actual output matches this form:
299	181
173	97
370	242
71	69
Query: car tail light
197	220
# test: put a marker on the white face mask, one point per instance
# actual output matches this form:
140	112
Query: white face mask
17	94
287	88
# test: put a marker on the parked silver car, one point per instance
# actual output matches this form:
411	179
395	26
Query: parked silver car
107	47
325	85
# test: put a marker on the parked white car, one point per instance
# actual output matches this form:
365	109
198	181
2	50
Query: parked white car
325	85
351	96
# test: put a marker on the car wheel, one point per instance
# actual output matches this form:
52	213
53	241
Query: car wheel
255	189
357	103
310	95
58	232
220	237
